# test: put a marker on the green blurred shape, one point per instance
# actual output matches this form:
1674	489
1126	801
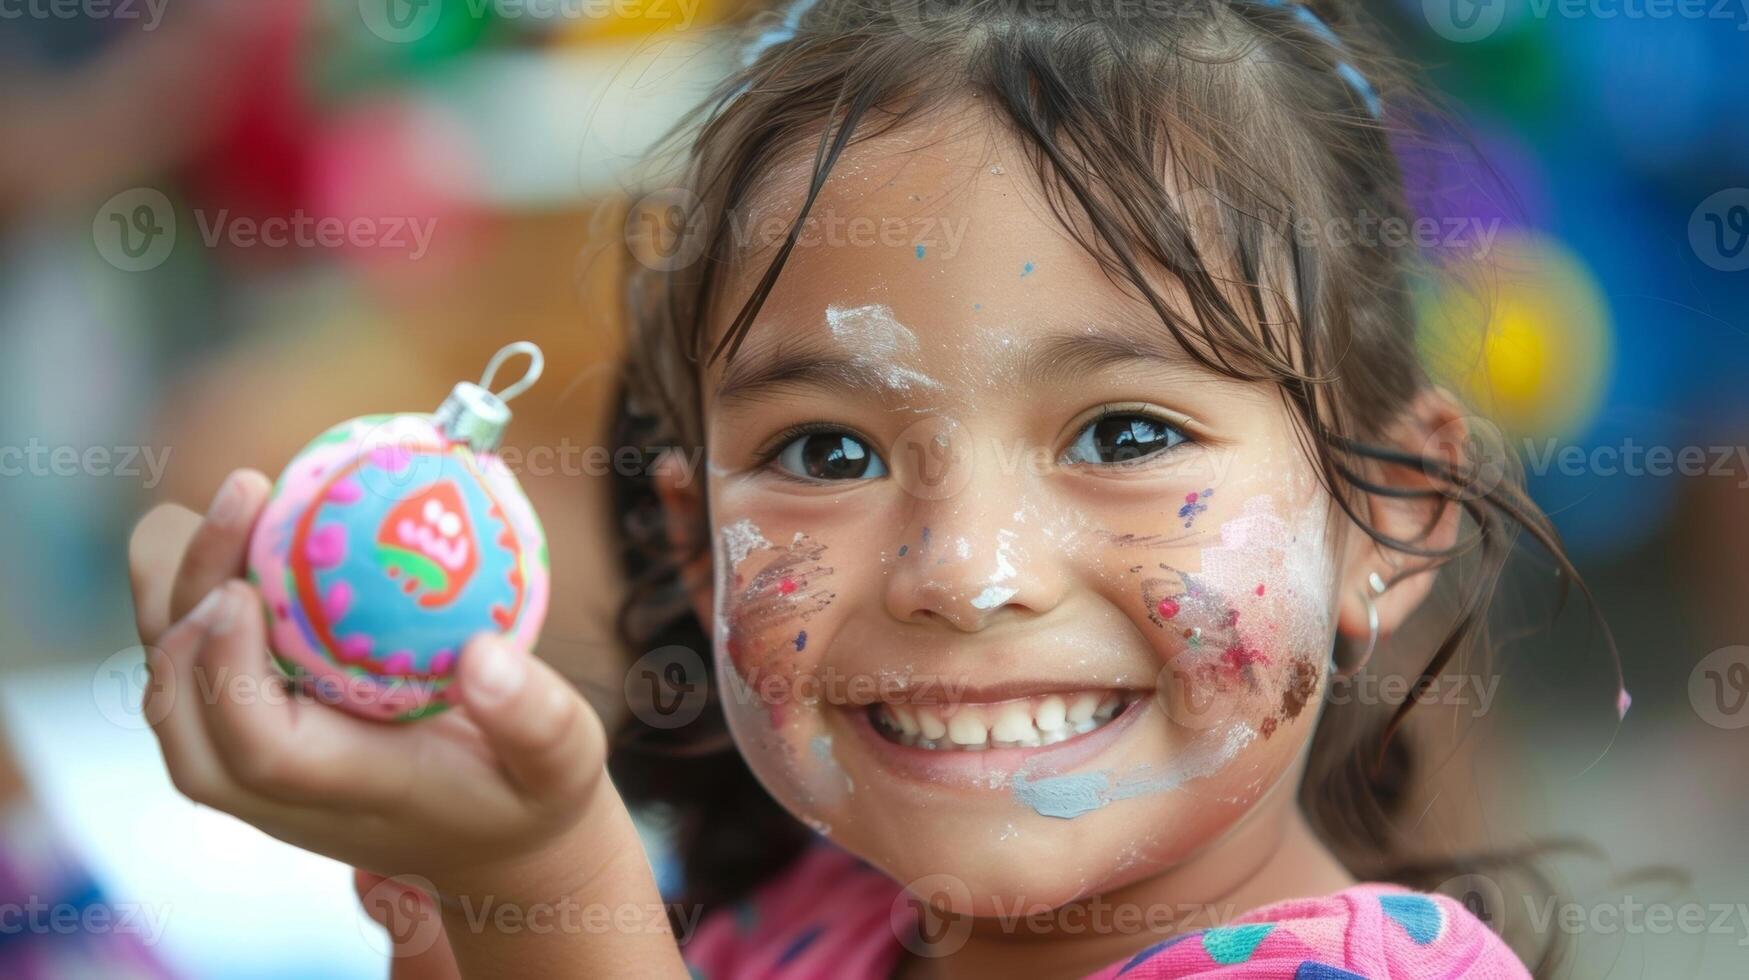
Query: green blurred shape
374	44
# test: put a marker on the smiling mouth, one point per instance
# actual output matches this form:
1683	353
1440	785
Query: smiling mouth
1029	722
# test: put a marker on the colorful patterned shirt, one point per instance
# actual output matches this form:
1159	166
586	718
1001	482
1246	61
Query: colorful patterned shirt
831	915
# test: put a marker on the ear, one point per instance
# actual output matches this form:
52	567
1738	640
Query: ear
1432	427
683	510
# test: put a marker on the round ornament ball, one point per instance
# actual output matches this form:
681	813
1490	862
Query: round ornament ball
389	541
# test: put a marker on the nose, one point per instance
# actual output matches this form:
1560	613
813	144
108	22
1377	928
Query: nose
972	558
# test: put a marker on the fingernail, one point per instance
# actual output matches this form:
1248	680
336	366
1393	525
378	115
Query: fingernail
227	504
224	615
500	673
202	613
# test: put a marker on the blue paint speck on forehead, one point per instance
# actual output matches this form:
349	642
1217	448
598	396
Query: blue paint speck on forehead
1063	797
801	640
1026	270
902	549
919	251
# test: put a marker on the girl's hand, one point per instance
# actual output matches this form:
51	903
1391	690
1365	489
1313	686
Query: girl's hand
504	795
414	928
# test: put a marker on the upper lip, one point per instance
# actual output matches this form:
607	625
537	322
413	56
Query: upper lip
950	691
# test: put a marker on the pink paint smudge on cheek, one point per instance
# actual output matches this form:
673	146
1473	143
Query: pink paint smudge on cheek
1240	656
765	620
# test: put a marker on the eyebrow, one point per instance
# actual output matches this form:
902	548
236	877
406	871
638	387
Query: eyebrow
811	363
801	363
1062	357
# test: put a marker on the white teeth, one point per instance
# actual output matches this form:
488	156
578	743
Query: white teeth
1022	723
1081	709
966	728
1052	712
931	725
907	719
1014	724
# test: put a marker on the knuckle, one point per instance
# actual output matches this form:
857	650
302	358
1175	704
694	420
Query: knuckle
195	783
269	771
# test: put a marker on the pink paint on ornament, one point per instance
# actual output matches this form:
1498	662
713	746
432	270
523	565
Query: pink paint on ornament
326	546
391	458
345	491
355	646
337	601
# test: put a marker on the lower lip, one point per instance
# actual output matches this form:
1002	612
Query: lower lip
992	768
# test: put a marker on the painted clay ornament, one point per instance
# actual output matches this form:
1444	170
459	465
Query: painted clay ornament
390	540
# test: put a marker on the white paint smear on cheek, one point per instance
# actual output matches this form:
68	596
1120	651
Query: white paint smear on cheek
877	340
740	539
1287	555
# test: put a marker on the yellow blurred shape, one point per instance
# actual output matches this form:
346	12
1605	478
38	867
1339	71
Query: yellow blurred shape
1524	335
641	18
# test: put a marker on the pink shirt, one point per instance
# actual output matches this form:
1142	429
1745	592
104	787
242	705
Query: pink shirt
832	915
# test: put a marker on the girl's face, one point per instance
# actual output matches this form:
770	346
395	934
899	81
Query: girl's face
1006	587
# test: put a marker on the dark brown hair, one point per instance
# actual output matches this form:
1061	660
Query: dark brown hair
1192	139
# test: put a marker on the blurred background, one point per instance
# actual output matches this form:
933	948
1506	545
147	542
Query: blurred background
226	224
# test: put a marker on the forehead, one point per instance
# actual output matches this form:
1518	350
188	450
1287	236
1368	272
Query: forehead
934	240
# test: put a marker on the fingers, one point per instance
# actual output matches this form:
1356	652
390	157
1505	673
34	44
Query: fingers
279	745
172	706
175	557
154	550
547	738
403	906
219	546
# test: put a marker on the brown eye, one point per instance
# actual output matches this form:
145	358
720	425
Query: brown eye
830	456
1126	437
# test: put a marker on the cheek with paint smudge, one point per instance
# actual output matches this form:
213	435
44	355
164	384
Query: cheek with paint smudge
1250	626
1235	645
766	615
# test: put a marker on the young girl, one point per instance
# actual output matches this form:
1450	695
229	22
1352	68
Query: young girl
1065	445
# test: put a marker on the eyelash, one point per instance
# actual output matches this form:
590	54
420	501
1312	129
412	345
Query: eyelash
774	447
1178	427
768	453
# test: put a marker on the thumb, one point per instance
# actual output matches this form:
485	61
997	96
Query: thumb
547	738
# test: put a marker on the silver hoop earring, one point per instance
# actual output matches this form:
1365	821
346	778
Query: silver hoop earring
1375	586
